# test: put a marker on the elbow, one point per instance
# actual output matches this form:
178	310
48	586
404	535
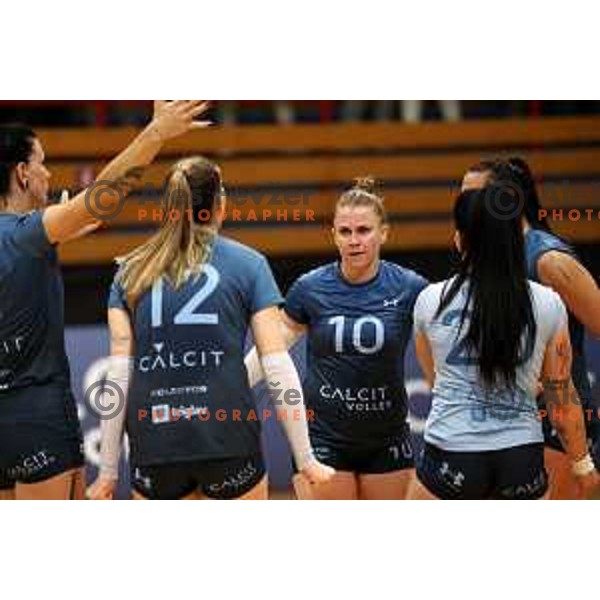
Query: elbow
595	330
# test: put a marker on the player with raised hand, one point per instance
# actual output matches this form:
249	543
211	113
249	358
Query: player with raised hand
40	436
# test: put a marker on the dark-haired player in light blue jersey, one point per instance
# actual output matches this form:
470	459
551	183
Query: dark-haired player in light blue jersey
40	436
181	307
357	316
484	339
554	263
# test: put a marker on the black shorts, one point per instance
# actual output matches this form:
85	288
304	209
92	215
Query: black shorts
395	454
40	435
220	479
516	473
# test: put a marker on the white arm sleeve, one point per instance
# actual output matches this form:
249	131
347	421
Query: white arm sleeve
255	372
111	427
253	363
286	396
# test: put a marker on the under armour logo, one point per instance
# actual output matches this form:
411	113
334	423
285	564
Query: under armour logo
394	302
144	481
457	478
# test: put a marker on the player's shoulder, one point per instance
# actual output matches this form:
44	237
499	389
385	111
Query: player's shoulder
433	291
319	275
403	274
11	222
236	253
540	241
544	295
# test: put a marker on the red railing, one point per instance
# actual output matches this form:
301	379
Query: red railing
101	108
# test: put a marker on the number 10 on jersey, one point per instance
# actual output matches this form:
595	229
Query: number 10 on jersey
358	329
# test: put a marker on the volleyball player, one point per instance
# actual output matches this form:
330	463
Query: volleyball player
40	436
181	305
554	263
484	339
357	316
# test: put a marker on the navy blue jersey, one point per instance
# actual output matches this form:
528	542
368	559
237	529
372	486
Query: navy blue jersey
357	338
32	350
537	243
189	397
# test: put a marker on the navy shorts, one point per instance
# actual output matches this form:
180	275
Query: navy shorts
220	479
516	473
40	435
395	454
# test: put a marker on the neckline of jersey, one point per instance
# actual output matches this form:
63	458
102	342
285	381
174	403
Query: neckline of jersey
340	275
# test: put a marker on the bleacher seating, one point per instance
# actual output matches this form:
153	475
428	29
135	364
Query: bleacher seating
420	168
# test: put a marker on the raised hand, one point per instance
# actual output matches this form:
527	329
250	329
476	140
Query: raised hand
177	117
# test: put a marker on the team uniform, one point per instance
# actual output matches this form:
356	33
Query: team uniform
357	339
537	243
480	442
191	416
40	434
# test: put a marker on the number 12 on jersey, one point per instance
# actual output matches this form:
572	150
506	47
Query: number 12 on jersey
187	315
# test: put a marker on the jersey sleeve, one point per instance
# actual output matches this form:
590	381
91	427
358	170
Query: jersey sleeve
295	303
117	297
422	311
30	235
420	283
266	291
417	285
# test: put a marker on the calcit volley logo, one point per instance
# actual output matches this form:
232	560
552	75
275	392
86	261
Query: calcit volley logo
172	360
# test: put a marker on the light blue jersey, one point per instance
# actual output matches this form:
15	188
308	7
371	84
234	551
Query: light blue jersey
465	416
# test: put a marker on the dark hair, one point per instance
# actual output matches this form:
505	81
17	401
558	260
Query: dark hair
363	193
502	325
516	172
16	146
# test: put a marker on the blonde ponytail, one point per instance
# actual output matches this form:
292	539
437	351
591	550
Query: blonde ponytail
181	246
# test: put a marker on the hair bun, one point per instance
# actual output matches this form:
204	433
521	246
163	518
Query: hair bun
365	184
